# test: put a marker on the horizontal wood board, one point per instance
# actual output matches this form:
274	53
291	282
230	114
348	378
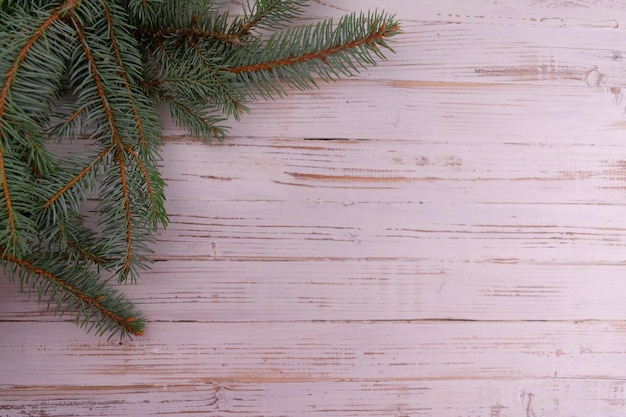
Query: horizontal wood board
442	235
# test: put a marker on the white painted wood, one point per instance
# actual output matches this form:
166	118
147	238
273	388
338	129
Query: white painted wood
470	397
440	236
362	350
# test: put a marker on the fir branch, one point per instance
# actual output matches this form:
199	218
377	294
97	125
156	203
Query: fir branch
24	123
153	188
118	58
192	33
148	139
194	20
142	10
269	14
323	49
11	75
120	127
85	253
372	39
127	213
13	234
77	243
189	114
94	298
71	126
112	62
94	72
224	98
77	178
9	80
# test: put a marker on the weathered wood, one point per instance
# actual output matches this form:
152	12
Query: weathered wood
475	398
309	351
355	368
442	235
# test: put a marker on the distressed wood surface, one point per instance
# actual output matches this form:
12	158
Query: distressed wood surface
442	235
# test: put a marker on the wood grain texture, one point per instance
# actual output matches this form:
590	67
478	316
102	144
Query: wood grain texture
440	236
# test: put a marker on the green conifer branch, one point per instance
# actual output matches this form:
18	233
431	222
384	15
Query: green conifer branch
221	95
269	14
190	114
75	243
121	126
14	174
86	253
79	290
77	178
323	49
192	33
123	74
111	62
154	189
191	20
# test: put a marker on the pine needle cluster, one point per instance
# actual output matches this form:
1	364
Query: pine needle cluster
99	70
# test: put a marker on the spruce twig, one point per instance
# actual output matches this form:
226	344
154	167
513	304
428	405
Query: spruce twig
111	62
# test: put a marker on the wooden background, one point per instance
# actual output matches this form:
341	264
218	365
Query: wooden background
444	235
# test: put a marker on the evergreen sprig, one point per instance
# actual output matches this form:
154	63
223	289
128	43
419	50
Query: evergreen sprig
100	69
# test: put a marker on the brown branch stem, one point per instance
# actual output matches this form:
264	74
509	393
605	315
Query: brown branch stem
95	302
192	32
371	39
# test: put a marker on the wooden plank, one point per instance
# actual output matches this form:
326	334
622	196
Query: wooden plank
518	113
310	351
472	398
287	290
474	171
